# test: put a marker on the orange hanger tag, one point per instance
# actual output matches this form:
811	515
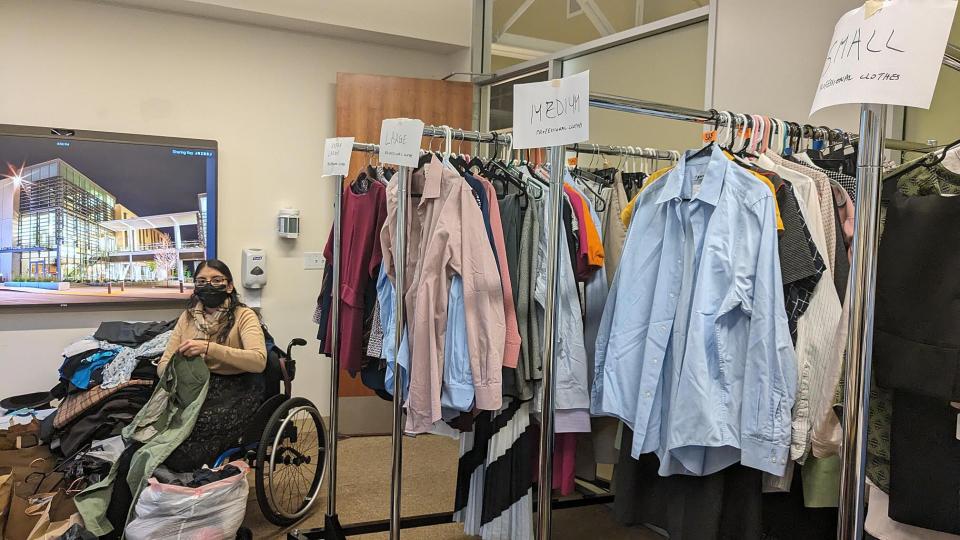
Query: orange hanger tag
572	161
745	134
710	136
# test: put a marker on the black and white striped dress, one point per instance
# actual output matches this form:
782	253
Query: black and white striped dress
495	474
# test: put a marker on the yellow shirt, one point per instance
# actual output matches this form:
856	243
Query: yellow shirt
627	215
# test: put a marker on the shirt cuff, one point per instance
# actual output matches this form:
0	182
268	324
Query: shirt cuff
764	455
457	396
489	397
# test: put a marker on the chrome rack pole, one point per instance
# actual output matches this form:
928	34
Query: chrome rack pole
331	521
686	114
550	329
586	148
400	263
862	294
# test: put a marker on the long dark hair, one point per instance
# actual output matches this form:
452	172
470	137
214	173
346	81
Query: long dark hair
235	303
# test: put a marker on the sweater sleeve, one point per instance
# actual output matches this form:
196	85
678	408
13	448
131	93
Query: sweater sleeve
250	357
176	338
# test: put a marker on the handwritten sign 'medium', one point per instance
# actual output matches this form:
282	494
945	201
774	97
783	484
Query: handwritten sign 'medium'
552	113
890	54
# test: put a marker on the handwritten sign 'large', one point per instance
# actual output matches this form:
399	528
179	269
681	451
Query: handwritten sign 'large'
552	113
336	156
891	54
400	141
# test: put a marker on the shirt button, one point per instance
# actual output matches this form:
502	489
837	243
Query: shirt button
646	394
672	295
679	261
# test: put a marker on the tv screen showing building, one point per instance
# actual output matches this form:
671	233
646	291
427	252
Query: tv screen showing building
93	218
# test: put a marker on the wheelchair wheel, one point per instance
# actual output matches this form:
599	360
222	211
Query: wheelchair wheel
290	462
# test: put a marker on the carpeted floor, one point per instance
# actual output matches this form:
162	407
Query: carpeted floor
429	481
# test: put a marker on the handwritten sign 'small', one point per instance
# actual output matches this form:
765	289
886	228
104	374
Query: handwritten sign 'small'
892	56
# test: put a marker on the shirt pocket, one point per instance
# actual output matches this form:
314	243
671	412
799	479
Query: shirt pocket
486	281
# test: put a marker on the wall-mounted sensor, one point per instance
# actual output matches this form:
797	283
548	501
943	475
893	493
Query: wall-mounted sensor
288	223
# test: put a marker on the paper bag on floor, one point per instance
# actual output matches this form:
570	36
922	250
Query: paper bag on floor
6	487
25	512
45	529
37	502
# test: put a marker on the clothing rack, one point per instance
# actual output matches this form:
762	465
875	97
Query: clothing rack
860	337
332	528
861	291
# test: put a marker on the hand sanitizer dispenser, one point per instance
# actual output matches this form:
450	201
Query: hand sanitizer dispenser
254	268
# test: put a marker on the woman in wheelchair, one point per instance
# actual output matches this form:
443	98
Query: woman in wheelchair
221	331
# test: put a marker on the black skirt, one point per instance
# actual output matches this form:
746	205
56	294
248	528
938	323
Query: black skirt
231	402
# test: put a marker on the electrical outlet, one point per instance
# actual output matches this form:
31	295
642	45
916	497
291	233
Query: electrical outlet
313	260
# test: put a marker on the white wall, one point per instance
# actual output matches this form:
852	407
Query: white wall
769	56
267	96
411	23
656	79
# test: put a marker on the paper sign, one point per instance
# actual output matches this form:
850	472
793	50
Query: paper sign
892	56
552	113
400	141
336	156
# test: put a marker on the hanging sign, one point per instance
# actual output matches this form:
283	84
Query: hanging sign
886	52
552	113
400	141
336	156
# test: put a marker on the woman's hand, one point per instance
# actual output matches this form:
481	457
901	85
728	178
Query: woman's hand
193	347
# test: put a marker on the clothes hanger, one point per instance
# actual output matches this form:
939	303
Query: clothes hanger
587	177
654	159
931	159
457	159
426	156
496	169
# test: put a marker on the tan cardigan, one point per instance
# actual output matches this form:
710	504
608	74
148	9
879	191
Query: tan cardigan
243	351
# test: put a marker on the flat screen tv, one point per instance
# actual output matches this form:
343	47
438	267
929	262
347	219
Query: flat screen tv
97	218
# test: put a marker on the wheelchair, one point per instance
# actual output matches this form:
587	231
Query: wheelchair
284	443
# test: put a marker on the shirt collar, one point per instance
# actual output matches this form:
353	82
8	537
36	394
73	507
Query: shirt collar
675	182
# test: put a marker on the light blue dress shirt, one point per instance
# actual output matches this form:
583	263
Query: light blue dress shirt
386	294
458	394
570	373
595	291
693	351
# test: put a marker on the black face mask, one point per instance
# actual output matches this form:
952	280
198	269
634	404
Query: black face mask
211	296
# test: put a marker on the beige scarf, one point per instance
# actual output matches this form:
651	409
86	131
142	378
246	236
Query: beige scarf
210	325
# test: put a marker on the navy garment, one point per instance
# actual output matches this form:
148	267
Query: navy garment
481	195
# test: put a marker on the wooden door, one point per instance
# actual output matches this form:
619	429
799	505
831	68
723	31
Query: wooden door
363	102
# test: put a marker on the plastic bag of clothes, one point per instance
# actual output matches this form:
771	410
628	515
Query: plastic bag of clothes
213	511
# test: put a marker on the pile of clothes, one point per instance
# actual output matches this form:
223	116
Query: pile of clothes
105	379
